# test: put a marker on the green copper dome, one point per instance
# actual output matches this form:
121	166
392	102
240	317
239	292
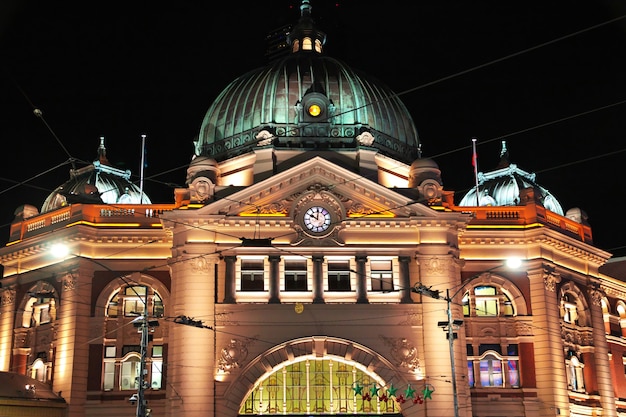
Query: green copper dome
352	109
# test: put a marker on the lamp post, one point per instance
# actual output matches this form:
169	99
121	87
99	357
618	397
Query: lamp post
450	326
141	386
454	324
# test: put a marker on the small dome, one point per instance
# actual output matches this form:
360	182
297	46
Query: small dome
424	163
509	185
98	183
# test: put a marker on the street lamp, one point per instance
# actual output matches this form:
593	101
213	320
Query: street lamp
454	324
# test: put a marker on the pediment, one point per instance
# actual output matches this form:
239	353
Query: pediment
278	194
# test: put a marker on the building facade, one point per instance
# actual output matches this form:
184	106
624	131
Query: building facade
314	264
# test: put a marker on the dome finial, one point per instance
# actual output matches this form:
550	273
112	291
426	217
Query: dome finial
305	8
102	152
504	157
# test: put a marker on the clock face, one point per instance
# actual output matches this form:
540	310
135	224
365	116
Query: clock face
315	110
317	219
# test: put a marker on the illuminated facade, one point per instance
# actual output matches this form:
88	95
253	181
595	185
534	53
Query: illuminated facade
313	265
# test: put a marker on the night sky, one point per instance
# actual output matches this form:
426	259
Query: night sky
547	77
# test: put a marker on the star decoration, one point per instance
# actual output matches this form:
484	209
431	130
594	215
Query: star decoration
427	391
409	391
374	390
392	390
357	389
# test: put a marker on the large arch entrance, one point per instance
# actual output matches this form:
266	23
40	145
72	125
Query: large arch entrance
325	376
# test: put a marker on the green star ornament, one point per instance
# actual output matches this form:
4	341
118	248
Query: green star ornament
357	389
408	393
374	391
427	391
392	390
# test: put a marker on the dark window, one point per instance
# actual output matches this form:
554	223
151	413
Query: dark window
252	275
339	276
295	275
381	276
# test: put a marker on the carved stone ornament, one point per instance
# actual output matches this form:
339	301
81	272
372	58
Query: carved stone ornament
403	352
8	297
596	297
233	355
550	280
435	266
203	264
69	282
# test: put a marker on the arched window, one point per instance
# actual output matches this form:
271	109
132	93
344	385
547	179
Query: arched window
314	386
569	310
487	301
494	369
131	300
39	309
129	371
41	370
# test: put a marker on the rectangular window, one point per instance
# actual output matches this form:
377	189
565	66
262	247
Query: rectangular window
134	300
470	373
513	371
109	351
252	275
339	276
157	373
486	306
295	275
381	275
109	375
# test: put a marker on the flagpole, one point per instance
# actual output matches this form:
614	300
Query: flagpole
143	155
475	163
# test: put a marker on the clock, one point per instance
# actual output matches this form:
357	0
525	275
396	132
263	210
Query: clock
317	219
315	110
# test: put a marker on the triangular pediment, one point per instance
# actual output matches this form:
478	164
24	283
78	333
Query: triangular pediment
277	194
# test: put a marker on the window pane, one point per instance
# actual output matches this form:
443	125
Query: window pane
381	276
485	290
109	375
109	351
129	374
156	376
339	276
470	373
295	275
513	373
252	275
486	307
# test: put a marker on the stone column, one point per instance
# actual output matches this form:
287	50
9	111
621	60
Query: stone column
274	279
439	270
191	362
7	323
230	279
601	355
548	346
361	280
405	280
73	327
318	280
